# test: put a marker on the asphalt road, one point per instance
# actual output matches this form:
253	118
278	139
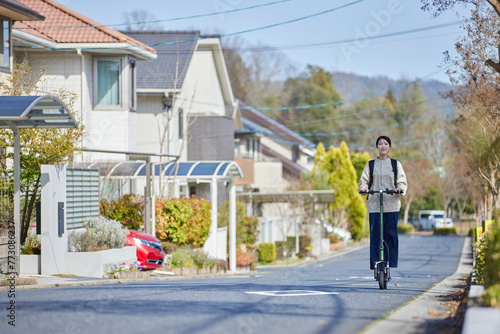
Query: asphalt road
338	295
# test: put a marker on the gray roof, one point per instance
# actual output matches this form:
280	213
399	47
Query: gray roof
26	12
161	72
255	120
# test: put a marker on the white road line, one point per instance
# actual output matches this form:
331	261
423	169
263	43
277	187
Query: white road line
291	293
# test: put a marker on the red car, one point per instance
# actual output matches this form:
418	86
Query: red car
149	251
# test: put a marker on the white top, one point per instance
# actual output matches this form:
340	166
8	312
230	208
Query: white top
383	178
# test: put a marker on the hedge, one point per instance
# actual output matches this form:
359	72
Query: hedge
267	252
405	228
444	230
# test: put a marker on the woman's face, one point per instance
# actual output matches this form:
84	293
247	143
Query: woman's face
383	147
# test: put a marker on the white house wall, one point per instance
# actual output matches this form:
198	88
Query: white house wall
268	176
201	91
106	130
150	125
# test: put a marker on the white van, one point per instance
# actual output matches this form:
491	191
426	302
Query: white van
429	219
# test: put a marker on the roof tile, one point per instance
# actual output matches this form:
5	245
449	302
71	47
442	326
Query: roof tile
63	25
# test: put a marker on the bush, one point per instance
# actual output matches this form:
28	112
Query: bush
334	238
32	244
192	258
183	221
243	259
487	265
444	230
246	226
98	235
128	210
288	247
169	247
304	244
405	228
267	252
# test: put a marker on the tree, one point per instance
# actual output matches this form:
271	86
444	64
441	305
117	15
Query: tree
39	146
336	163
440	6
419	177
477	93
312	87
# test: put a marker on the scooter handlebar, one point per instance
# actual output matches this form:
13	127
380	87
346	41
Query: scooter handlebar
386	191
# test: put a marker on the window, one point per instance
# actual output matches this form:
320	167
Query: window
181	123
5	46
108	87
132	84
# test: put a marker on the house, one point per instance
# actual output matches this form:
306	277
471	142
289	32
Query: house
273	158
95	62
185	103
10	12
271	155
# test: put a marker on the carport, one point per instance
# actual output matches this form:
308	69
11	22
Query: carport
210	172
26	112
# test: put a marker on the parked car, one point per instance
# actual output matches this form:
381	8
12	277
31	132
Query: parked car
149	250
430	219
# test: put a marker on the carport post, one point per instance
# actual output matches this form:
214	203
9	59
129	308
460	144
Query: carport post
232	226
17	193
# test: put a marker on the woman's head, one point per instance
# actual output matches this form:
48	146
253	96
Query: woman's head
387	139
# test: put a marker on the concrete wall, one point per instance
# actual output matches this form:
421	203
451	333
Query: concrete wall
54	245
96	264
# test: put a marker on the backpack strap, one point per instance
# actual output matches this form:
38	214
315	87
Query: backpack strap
371	165
394	163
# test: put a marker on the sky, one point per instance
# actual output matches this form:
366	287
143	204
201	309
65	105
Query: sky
329	34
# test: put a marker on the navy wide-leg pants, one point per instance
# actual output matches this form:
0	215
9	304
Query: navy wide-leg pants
390	238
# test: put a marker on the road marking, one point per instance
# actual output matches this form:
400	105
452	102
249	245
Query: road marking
291	293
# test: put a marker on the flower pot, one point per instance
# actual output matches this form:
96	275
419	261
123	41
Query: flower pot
129	274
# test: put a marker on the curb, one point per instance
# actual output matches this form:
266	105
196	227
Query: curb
415	316
87	281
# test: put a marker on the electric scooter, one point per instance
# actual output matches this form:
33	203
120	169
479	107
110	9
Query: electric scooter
381	271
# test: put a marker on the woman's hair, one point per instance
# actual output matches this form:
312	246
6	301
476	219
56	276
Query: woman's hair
387	139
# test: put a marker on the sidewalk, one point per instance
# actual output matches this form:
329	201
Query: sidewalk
428	313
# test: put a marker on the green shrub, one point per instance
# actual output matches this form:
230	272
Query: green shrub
444	230
246	226
267	252
192	258
492	256
304	244
183	221
487	265
479	255
128	210
288	247
98	235
405	228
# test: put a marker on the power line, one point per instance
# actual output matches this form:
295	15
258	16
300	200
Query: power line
168	20
327	103
371	129
221	35
355	115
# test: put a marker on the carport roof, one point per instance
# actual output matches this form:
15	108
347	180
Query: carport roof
35	112
180	170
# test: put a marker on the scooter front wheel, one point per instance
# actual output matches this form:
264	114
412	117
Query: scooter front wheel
382	283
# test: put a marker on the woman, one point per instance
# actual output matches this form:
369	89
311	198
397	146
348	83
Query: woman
384	177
